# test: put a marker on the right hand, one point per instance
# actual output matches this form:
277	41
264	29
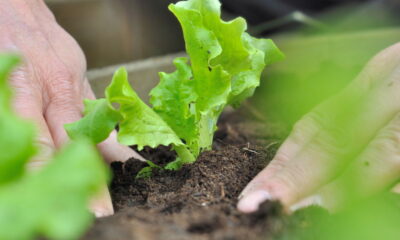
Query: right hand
346	149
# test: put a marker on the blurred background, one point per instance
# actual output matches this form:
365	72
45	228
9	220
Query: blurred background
118	31
326	43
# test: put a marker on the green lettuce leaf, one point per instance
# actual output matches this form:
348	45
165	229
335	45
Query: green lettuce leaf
140	125
99	121
226	62
173	100
225	68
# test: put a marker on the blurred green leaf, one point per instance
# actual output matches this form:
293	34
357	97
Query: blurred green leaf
52	202
16	136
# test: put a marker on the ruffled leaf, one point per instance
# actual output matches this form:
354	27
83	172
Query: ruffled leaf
140	125
99	120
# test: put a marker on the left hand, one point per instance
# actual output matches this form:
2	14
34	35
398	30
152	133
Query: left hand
345	150
50	85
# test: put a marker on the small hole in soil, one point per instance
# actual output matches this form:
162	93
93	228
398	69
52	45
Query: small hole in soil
203	227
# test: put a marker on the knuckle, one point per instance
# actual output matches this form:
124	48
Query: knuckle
389	141
285	187
318	119
279	162
308	124
45	145
332	135
46	151
333	140
386	145
62	90
61	75
313	118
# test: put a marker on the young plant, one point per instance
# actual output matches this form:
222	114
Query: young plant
51	202
225	68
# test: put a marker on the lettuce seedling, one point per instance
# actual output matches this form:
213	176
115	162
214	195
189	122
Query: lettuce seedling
51	202
225	67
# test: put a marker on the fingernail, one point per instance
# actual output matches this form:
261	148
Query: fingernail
251	202
101	214
315	200
240	196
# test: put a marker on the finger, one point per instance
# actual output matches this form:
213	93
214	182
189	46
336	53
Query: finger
254	194
380	67
301	134
282	175
315	200
304	133
112	151
376	169
59	112
338	139
101	205
307	129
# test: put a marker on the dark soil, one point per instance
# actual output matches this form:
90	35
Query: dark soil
199	201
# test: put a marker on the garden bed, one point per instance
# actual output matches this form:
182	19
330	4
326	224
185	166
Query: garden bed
199	201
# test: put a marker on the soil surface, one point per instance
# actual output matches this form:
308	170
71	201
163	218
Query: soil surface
199	201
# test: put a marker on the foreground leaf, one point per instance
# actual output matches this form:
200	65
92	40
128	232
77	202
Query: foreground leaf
16	135
53	202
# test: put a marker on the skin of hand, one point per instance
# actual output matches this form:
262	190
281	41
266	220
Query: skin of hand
50	85
345	150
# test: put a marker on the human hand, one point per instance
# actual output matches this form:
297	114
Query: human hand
50	85
346	149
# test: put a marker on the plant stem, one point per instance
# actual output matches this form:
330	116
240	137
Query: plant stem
185	155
